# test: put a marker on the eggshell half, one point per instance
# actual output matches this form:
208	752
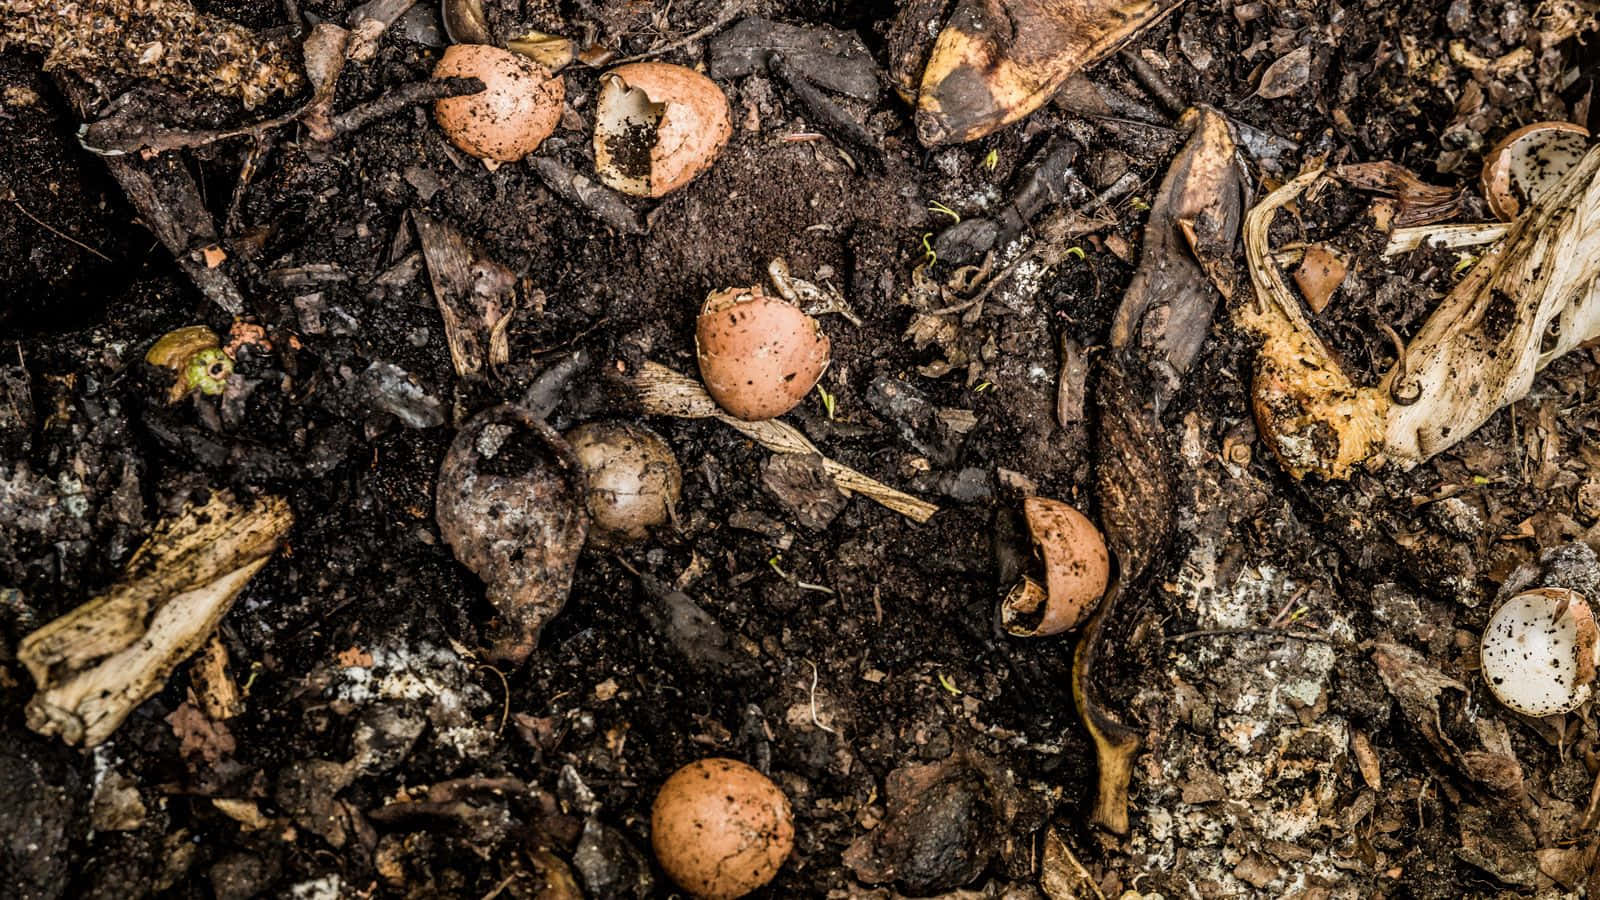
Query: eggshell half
759	355
517	109
1539	652
1528	162
632	476
720	828
657	126
1077	570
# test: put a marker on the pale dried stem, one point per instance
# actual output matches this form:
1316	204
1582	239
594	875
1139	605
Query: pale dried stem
97	663
665	392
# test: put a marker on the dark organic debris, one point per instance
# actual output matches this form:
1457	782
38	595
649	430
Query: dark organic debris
510	504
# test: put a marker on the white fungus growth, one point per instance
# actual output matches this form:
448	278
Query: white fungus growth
1539	652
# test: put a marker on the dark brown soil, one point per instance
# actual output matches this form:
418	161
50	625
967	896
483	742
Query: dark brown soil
366	625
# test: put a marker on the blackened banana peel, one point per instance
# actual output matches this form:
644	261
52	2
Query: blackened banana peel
996	61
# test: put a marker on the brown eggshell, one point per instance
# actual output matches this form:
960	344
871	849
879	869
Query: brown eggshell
1528	161
657	126
633	479
720	828
759	355
1077	569
517	109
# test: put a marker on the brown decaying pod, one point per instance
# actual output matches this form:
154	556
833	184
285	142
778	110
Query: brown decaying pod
509	502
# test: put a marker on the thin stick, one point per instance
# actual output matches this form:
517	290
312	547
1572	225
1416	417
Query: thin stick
1255	632
60	234
729	13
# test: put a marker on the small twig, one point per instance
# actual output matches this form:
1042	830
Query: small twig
60	234
505	690
409	94
1152	81
729	13
1255	632
664	392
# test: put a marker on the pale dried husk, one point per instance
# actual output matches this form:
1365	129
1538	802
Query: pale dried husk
1530	299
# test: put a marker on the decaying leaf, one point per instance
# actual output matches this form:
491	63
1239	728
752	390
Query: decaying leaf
1528	300
995	61
95	664
1321	271
1193	228
476	296
1157	333
1420	203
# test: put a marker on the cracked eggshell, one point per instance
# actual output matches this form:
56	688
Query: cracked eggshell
1528	162
1077	570
517	109
720	828
1539	652
656	127
632	477
759	355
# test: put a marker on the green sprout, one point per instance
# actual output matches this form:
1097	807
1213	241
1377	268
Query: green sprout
1075	253
929	255
938	207
207	371
991	160
983	387
1464	261
949	685
828	401
1139	205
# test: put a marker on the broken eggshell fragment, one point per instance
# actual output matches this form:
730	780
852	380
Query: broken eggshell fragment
633	479
518	108
1528	162
656	127
509	502
759	355
1077	570
1539	652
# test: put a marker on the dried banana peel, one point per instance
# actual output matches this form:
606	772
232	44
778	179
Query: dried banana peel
96	664
1527	301
996	61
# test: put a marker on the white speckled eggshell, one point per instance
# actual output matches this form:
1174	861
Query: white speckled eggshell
1530	657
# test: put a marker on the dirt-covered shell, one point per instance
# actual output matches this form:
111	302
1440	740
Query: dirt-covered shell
759	355
518	108
1539	652
1528	161
633	479
1077	569
656	127
720	828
